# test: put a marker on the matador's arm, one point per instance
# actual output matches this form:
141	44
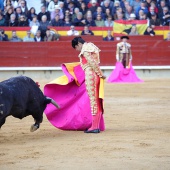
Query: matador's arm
91	61
117	52
130	54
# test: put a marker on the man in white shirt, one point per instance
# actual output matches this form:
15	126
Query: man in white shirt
72	31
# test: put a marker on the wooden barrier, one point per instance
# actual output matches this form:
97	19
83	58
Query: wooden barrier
146	52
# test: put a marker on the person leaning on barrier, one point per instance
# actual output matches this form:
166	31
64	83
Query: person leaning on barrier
149	31
86	31
38	37
72	31
3	36
109	36
15	38
28	38
51	36
168	37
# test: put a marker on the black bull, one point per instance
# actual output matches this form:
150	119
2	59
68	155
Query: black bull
20	96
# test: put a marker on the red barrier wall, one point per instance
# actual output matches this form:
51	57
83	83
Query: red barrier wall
146	51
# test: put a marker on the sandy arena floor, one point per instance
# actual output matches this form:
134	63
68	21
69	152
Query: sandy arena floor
137	135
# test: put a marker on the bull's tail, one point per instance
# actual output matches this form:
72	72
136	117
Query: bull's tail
50	100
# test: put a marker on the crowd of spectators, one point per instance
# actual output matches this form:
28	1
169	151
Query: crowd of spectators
85	13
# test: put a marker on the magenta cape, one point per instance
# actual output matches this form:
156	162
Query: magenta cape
74	112
123	75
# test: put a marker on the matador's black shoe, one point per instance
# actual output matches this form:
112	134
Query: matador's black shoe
92	131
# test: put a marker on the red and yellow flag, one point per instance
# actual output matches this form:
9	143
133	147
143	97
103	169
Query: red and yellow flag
124	27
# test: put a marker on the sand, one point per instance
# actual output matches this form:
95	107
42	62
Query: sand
137	135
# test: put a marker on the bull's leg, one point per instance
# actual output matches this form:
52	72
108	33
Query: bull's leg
36	125
2	121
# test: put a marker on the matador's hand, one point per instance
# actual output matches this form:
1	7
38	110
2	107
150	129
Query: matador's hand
103	77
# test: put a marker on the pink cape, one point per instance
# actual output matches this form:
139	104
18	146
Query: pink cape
74	112
123	75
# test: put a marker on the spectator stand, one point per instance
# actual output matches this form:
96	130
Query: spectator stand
98	31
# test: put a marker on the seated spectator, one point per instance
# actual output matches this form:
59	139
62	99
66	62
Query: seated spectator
34	22
24	7
72	31
153	5
132	17
12	22
68	15
109	37
142	15
22	21
107	14
8	15
154	21
149	31
79	20
28	38
129	12
119	16
76	11
92	5
168	37
43	25
78	3
120	10
99	21
57	22
109	22
2	20
89	20
86	31
71	7
49	36
44	12
135	4
3	36
99	12
15	38
18	12
57	11
61	5
134	30
83	9
38	37
151	11
142	7
107	5
67	22
51	6
116	6
6	3
31	14
160	8
165	16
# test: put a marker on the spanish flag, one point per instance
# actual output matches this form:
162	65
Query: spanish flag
124	27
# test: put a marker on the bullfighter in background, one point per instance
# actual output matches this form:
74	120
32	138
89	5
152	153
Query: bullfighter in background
123	72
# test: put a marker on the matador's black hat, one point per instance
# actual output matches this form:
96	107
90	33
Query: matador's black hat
124	37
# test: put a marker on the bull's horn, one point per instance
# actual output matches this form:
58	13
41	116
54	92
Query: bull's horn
53	102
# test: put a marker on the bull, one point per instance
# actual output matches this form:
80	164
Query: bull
20	97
